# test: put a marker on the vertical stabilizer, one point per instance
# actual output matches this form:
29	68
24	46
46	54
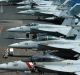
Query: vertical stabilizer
71	3
75	10
62	1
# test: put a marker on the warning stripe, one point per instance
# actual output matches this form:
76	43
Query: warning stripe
29	64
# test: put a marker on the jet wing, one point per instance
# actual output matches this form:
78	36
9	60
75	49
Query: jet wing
77	73
64	46
2	0
56	13
73	47
68	68
63	31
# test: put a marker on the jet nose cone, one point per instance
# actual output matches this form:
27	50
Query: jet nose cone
19	7
24	7
3	66
27	12
16	29
22	12
21	3
11	29
15	45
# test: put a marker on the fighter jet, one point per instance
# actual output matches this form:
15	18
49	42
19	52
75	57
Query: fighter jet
61	45
17	66
27	27
30	44
49	29
64	67
27	65
42	42
38	58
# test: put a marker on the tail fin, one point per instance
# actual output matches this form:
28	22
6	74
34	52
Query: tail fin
62	1
71	3
67	2
75	10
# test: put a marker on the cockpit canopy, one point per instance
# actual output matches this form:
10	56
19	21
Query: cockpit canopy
32	24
